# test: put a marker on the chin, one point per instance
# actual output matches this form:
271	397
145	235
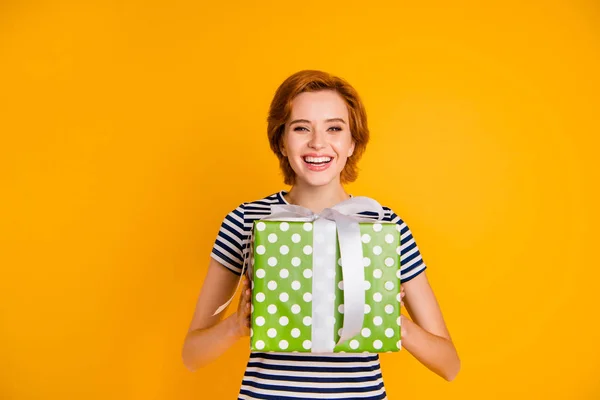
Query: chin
316	180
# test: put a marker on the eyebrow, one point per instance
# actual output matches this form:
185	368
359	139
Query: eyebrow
297	121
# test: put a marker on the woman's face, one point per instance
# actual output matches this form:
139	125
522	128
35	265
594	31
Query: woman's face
317	139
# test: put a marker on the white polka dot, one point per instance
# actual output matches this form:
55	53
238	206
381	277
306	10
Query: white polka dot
377	273
389	285
272	332
398	298
367	285
260	297
295	308
261	226
354	344
307	273
398	321
341	308
398	250
377	250
260	344
296	285
272	261
340	261
251	332
341	285
251	308
398	274
389	262
284	249
283	297
284	273
377	320
260	321
295	261
377	297
283	321
307	344
377	227
366	332
377	344
340	332
272	238
307	226
366	238
307	321
283	344
366	261
389	238
272	285
295	333
367	308
307	250
260	273
389	309
272	309
389	332
319	238
296	238
260	249
284	226
307	297
398	344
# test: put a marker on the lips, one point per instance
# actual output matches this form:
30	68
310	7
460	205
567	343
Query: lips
316	162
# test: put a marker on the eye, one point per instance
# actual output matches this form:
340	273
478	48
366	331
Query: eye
336	128
299	128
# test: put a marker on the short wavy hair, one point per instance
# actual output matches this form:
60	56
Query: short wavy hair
313	81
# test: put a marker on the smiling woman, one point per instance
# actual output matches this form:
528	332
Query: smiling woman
317	127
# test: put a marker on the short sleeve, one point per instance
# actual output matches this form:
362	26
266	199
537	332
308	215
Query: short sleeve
411	262
229	244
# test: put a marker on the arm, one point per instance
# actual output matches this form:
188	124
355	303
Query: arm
426	336
209	336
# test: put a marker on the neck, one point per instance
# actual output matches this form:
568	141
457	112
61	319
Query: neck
316	198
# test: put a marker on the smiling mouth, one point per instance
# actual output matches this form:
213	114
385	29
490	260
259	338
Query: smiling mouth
317	160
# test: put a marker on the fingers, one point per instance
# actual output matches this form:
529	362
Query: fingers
401	296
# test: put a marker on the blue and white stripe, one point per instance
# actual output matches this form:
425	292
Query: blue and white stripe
337	376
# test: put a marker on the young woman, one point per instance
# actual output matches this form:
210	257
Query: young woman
317	127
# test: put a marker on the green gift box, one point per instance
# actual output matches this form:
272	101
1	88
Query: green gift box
282	297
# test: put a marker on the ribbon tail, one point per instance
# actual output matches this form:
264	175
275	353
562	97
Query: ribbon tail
353	275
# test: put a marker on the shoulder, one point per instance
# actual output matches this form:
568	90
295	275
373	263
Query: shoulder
248	211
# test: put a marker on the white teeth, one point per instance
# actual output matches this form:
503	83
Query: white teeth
317	159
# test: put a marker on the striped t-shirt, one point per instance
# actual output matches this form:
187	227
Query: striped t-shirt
339	376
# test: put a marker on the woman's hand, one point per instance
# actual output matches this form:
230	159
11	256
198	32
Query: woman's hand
242	315
402	317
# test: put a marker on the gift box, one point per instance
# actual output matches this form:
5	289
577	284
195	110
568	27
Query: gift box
301	298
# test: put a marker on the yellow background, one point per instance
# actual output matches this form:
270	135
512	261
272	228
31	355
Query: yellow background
129	129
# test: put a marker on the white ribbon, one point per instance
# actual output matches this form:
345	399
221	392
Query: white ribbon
343	218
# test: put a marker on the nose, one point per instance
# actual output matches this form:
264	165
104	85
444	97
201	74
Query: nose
317	140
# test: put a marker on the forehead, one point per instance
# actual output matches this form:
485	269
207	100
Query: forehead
323	104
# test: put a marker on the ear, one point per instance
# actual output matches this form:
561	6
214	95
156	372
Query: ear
282	150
